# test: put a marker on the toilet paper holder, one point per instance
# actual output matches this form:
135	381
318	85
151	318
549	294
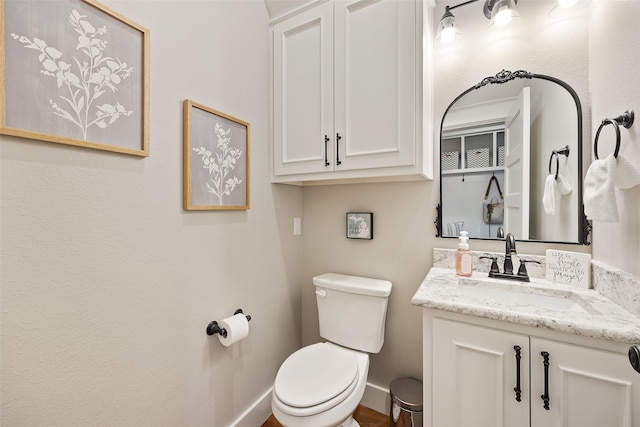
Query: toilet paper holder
213	327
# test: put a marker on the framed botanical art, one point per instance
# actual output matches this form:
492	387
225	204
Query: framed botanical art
74	72
360	225
216	159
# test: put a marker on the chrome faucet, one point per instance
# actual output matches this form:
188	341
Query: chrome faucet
510	248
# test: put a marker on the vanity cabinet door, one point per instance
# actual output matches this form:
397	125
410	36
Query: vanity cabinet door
587	387
475	374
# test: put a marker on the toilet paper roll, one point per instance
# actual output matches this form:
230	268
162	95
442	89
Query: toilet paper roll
237	327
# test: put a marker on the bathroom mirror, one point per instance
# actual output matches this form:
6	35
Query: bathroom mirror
511	161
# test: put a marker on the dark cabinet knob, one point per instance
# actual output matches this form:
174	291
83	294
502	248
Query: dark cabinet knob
634	357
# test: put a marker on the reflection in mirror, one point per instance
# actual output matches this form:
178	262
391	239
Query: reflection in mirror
511	161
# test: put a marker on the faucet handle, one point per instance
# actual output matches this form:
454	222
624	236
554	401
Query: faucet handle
522	271
494	264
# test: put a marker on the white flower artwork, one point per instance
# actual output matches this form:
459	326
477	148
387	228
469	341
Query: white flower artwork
84	78
220	164
216	159
75	73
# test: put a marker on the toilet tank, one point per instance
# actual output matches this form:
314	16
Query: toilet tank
352	310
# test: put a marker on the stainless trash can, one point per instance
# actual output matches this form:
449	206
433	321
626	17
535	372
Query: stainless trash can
406	403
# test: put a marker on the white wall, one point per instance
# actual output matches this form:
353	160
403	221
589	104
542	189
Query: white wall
400	252
613	67
404	212
597	56
108	285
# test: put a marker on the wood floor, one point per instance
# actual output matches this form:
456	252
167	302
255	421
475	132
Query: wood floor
366	418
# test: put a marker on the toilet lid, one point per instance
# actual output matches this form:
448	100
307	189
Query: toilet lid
315	374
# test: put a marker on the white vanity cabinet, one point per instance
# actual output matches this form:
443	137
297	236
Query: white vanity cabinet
471	376
347	91
474	376
587	386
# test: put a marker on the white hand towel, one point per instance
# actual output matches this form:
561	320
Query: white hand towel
563	186
627	173
599	190
549	195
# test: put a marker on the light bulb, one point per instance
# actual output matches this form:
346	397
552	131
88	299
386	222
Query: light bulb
448	35
503	17
566	3
503	13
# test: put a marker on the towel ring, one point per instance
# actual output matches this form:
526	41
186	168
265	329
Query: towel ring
625	119
565	152
617	129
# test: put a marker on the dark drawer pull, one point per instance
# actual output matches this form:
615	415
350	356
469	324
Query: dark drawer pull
517	388
545	396
634	357
326	158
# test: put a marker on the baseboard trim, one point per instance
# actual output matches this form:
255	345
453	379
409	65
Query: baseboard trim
375	397
257	413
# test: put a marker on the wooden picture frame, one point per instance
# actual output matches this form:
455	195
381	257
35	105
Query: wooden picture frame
216	159
360	225
74	72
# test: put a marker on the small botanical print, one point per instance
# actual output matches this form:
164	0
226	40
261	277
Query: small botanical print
216	159
220	164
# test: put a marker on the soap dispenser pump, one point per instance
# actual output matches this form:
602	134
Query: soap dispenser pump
464	260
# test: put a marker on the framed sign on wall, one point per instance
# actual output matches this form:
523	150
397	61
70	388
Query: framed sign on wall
360	225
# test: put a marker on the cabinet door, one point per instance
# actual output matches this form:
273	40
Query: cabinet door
587	387
375	83
303	92
475	374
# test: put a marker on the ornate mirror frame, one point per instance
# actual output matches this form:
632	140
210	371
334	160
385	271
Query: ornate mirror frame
504	76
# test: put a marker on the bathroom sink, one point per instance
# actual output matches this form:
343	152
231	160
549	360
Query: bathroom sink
524	295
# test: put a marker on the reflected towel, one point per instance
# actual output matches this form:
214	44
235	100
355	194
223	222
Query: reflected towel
599	190
552	185
627	173
549	195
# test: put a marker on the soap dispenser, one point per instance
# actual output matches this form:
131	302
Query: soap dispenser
464	260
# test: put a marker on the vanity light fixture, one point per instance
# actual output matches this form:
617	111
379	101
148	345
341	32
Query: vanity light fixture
500	12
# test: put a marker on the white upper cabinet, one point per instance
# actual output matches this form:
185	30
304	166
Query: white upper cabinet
348	93
303	92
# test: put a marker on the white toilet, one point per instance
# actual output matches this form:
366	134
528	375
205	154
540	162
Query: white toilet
322	384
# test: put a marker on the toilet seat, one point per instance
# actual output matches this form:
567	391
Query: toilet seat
316	378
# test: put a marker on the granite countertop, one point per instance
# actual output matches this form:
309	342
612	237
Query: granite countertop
600	319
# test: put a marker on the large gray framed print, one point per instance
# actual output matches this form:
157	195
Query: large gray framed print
76	73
